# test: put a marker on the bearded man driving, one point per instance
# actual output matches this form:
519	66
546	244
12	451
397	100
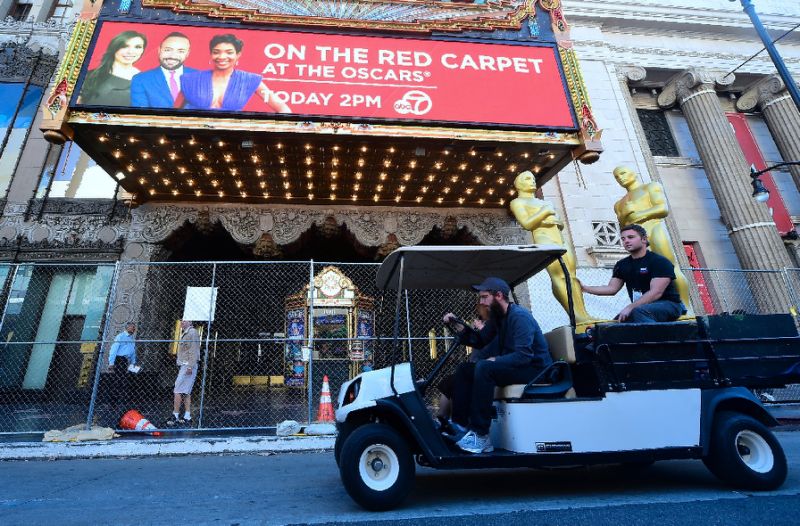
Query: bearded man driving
520	354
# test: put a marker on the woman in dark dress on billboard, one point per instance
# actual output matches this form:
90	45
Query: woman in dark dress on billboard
224	87
109	84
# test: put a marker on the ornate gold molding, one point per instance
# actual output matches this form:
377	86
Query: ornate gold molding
54	109
590	131
409	15
340	128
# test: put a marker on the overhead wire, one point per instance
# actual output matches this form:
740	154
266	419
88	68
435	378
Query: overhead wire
761	51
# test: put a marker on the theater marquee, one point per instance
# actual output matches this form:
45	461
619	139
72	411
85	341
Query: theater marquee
343	76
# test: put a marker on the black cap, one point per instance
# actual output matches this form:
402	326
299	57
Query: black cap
493	284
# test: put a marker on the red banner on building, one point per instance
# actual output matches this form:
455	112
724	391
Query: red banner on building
312	74
752	155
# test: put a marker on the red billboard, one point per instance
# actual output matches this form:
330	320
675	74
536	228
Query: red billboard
191	68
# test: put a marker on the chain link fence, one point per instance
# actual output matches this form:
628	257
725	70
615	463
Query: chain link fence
268	333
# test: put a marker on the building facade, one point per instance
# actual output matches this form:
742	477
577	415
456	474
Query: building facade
672	91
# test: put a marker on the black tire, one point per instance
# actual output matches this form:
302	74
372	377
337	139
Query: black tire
744	453
368	447
337	446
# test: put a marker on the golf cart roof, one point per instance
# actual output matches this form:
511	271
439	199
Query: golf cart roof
460	267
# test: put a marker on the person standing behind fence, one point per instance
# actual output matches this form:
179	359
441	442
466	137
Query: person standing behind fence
187	361
122	355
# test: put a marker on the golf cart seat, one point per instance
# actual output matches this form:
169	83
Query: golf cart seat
553	382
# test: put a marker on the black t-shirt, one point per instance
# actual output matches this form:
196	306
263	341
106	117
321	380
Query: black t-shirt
637	273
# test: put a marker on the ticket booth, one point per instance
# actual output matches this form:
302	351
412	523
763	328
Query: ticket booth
343	324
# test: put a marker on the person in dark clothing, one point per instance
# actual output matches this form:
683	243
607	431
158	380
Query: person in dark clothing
520	353
649	278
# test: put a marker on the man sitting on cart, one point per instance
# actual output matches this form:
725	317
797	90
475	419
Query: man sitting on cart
521	353
649	278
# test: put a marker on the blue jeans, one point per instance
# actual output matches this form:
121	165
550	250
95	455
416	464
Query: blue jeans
657	311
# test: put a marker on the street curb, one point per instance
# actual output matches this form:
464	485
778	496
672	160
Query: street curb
161	447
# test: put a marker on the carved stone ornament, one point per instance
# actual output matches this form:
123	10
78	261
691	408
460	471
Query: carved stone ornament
763	92
155	223
405	15
632	73
19	62
682	85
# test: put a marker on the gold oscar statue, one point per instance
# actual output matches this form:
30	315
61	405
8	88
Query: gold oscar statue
540	218
645	205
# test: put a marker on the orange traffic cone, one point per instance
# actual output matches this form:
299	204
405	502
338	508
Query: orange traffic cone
325	413
134	420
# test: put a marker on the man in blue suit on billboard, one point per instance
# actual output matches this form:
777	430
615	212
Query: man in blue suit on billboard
159	87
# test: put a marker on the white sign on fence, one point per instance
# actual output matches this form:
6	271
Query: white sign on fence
201	303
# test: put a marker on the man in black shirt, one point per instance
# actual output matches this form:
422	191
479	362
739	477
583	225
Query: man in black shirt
649	278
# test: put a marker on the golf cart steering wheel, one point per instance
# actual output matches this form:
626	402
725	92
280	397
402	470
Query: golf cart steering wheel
454	322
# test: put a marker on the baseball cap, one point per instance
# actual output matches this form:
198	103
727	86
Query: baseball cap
492	283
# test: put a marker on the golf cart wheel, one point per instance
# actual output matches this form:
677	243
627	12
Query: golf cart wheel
343	431
376	467
744	453
341	438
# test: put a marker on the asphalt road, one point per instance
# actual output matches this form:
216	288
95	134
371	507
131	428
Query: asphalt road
304	488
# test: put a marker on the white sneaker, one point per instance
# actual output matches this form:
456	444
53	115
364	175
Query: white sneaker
475	443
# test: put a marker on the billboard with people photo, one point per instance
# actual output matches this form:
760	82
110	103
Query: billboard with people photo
199	69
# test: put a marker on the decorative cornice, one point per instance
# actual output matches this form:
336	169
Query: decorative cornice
154	223
655	57
397	15
782	18
321	127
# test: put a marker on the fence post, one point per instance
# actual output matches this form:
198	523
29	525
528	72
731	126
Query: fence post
208	337
112	295
311	341
792	292
408	330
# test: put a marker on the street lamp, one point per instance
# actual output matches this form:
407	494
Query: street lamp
769	45
760	193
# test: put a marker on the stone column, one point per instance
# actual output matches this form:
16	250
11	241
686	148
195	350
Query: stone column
750	227
771	97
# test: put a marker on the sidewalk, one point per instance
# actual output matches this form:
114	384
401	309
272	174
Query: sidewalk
135	445
138	446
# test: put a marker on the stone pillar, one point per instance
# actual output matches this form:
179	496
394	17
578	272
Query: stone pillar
128	293
750	227
771	97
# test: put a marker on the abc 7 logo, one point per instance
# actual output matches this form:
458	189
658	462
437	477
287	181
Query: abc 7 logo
414	103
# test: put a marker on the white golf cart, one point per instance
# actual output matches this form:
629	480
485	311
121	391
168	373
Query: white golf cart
626	393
